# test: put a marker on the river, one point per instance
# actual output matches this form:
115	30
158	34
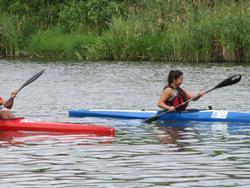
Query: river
140	155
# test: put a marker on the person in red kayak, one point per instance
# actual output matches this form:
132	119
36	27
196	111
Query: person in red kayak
173	95
5	107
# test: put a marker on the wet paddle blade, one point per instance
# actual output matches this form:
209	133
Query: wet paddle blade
227	82
32	79
9	103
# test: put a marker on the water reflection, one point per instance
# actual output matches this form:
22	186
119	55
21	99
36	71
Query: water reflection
225	128
186	134
169	135
10	138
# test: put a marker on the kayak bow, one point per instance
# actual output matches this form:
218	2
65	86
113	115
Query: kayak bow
192	115
21	124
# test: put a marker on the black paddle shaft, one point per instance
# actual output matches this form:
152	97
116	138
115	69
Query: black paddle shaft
227	82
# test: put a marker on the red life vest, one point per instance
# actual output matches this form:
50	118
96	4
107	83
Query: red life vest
180	98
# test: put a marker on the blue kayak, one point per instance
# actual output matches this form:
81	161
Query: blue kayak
192	115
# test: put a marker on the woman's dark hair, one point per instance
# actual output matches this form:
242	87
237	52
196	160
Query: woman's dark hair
173	75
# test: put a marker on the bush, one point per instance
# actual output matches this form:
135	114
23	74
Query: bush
55	43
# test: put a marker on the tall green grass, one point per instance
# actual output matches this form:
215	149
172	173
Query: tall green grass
14	34
232	26
55	43
125	40
9	35
217	33
150	30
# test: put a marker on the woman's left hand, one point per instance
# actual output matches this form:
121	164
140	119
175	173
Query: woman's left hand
13	94
202	93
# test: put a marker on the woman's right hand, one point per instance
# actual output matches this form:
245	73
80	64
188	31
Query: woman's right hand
171	108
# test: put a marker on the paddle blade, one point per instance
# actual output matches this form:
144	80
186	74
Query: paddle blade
9	103
32	79
227	82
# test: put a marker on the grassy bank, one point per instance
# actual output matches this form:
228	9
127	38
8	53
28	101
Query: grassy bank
208	31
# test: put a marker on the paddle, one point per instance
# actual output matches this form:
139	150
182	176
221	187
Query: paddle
227	82
9	102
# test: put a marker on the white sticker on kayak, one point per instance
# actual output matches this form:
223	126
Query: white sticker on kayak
219	114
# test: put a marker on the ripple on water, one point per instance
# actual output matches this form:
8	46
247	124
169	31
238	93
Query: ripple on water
141	155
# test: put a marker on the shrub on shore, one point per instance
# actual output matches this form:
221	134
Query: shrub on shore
123	30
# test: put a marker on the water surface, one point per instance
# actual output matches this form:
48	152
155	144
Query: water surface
193	154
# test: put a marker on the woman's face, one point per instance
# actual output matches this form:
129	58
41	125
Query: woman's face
177	82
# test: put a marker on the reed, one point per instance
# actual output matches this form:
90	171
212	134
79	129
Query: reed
155	30
232	27
128	40
55	43
9	35
218	33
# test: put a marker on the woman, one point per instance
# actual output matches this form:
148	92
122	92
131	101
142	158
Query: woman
5	107
173	95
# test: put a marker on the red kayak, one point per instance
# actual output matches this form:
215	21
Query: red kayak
21	124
